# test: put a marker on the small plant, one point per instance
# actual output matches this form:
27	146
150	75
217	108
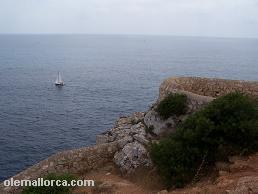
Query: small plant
51	189
173	104
227	126
149	129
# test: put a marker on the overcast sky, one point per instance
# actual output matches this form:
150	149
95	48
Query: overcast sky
221	18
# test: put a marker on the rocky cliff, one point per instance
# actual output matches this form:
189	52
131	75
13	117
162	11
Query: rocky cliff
126	144
212	87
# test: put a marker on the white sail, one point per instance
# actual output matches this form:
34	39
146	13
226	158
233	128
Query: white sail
59	80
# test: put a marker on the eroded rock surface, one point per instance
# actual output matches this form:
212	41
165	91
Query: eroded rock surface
132	156
126	143
130	133
160	126
124	127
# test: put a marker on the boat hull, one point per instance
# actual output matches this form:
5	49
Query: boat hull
59	84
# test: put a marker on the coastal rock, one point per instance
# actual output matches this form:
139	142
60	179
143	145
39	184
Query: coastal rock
131	119
124	127
129	133
207	86
195	100
141	139
160	126
138	129
124	141
157	125
137	117
132	156
122	121
102	138
122	132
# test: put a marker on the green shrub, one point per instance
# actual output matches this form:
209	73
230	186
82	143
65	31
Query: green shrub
173	104
51	190
149	129
227	126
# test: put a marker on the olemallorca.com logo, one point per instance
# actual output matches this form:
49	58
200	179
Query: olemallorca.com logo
48	183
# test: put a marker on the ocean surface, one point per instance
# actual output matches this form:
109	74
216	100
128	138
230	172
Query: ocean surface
106	76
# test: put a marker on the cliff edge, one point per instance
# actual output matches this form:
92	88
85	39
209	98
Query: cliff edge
126	144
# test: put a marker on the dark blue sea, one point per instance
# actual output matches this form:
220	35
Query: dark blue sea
105	76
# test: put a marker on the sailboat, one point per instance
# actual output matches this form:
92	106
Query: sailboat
59	81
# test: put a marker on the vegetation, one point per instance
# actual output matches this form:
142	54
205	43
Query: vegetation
149	129
54	189
227	126
173	104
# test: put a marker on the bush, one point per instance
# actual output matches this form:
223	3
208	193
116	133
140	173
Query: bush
173	104
149	129
51	190
227	126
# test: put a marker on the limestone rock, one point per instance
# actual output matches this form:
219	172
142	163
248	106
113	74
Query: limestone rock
160	126
153	120
124	127
141	139
131	156
138	129
137	117
102	138
124	141
132	119
207	86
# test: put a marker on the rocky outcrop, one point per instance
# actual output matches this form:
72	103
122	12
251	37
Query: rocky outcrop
160	126
73	161
126	144
157	125
129	132
124	127
134	132
132	156
212	87
199	92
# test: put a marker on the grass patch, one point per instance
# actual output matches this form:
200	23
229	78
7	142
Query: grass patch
49	189
227	126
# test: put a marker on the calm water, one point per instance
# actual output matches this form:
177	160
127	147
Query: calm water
105	76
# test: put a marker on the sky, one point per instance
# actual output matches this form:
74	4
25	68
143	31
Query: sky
217	18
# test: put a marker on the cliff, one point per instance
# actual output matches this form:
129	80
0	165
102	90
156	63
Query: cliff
211	87
126	144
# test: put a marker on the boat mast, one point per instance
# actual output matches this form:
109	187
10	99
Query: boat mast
58	78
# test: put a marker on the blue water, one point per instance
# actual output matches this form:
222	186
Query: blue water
105	76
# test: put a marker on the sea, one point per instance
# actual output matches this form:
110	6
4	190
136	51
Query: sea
106	76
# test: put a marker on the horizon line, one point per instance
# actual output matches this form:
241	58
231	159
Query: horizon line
134	34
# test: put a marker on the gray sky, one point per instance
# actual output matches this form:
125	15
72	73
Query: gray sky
226	18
